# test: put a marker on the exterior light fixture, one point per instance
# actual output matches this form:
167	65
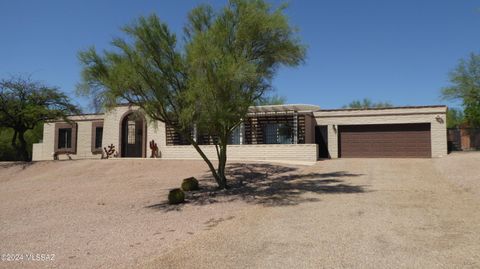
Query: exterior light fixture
439	119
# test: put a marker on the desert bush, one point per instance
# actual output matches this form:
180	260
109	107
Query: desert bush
190	184
176	196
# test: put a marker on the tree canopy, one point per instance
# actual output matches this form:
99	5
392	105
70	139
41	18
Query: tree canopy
367	103
271	100
465	87
25	103
455	118
226	63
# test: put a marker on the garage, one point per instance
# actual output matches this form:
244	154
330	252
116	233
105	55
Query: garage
385	141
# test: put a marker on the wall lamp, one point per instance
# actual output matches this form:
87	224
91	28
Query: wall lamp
439	119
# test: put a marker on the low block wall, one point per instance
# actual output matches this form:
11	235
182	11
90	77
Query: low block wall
37	152
277	152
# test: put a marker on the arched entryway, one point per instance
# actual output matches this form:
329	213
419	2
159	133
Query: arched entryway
133	135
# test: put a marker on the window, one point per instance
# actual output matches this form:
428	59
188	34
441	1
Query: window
98	137
131	132
175	138
235	136
277	133
64	138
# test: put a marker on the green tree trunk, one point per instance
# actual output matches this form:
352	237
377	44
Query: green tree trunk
219	173
222	162
214	172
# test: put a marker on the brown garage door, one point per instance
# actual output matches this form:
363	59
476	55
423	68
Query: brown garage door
384	140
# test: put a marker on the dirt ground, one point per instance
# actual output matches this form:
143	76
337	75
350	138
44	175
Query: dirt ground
350	213
354	213
99	214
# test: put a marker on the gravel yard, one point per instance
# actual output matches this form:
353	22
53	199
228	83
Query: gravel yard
99	214
350	213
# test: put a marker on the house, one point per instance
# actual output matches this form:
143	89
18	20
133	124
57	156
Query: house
275	132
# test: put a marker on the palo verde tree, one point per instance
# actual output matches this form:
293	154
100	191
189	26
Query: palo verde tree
465	80
271	100
25	103
225	64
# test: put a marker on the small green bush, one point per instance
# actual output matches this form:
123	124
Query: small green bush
176	196
190	184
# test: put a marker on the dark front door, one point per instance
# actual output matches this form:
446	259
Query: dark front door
321	139
132	136
385	140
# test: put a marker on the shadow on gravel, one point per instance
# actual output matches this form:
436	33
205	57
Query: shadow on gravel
268	185
23	165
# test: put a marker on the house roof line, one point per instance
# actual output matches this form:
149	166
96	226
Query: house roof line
382	108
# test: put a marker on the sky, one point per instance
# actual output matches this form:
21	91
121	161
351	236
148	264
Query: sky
385	50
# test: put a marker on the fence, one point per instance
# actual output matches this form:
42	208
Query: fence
460	139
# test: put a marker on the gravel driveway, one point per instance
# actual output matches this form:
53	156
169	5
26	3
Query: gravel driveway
389	213
350	213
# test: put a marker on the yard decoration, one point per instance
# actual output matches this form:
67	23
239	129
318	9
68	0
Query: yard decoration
176	196
154	148
110	152
190	184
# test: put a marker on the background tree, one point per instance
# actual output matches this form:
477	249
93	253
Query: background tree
8	152
24	104
271	100
465	80
455	118
225	65
367	103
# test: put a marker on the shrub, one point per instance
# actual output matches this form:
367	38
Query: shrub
176	196
190	184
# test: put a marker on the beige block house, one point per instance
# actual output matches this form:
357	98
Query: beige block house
302	133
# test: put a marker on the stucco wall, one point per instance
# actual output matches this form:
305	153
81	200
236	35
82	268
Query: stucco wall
156	131
37	152
45	150
295	152
111	134
334	118
112	124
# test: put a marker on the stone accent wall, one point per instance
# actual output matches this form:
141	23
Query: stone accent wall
334	118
